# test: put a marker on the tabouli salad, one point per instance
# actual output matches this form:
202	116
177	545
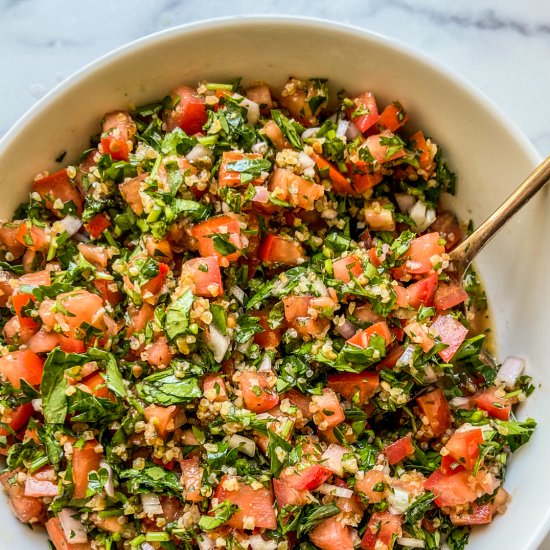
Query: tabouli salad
232	324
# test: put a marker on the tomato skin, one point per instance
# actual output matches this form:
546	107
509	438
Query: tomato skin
108	291
339	182
449	296
8	238
41	483
399	450
364	101
258	394
278	249
363	181
391	358
366	485
231	178
162	418
332	534
255	503
19	300
309	478
420	252
23	364
225	225
85	460
328	409
97	225
269	338
497	407
58	186
421	293
464	447
450	332
425	161
130	193
479	514
96	384
155	285
355	387
286	494
118	129
345	267
435	407
380	530
16	418
204	276
393	117
297	191
33	237
451	490
362	338
449	465
189	114
191	479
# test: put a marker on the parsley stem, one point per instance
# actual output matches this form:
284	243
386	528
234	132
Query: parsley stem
38	463
213	86
158	536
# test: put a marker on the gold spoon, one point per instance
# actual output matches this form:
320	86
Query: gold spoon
461	257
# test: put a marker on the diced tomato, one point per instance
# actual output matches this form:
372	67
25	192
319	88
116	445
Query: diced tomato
213	388
420	254
464	447
250	502
228	228
422	292
296	307
191	479
373	257
449	295
309	478
425	161
378	147
450	332
108	291
478	514
8	238
43	341
258	394
159	353
380	531
328	410
300	401
162	418
96	384
283	250
365	313
399	450
98	255
33	237
355	387
20	300
297	313
155	285
393	117
42	483
435	407
365	113
297	191
451	490
203	276
362	337
130	191
118	130
332	534
232	178
339	182
58	186
57	536
345	267
26	509
97	225
71	345
373	479
448	228
260	94
287	495
497	407
363	181
275	135
6	290
85	460
16	418
189	114
22	365
449	465
378	217
268	338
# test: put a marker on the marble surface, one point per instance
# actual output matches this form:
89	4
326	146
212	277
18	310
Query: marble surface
501	46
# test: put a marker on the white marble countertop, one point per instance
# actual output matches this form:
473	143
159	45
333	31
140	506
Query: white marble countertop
502	47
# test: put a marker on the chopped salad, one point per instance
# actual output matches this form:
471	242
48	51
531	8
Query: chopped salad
233	324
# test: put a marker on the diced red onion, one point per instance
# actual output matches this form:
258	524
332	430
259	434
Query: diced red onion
199	152
242	444
332	458
151	504
327	489
71	224
410	542
256	542
342	128
261	194
238	292
347	330
510	371
404	201
72	527
109	486
266	364
353	132
217	342
310	132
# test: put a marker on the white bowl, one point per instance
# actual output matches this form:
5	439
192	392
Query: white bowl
483	146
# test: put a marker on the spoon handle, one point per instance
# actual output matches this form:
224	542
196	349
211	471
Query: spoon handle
463	254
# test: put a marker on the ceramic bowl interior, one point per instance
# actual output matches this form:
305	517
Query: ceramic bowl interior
490	156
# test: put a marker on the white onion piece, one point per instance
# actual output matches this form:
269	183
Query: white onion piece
151	504
510	371
410	542
430	217
252	110
109	486
147	546
353	132
217	342
310	172
256	542
347	330
71	224
332	458
37	405
72	527
429	373
305	161
199	152
327	489
342	128
406	357
259	147
242	444
310	132
404	201
205	542
245	346
399	500
418	214
266	364
459	402
238	293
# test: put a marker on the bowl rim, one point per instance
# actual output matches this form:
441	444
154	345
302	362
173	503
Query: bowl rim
75	78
